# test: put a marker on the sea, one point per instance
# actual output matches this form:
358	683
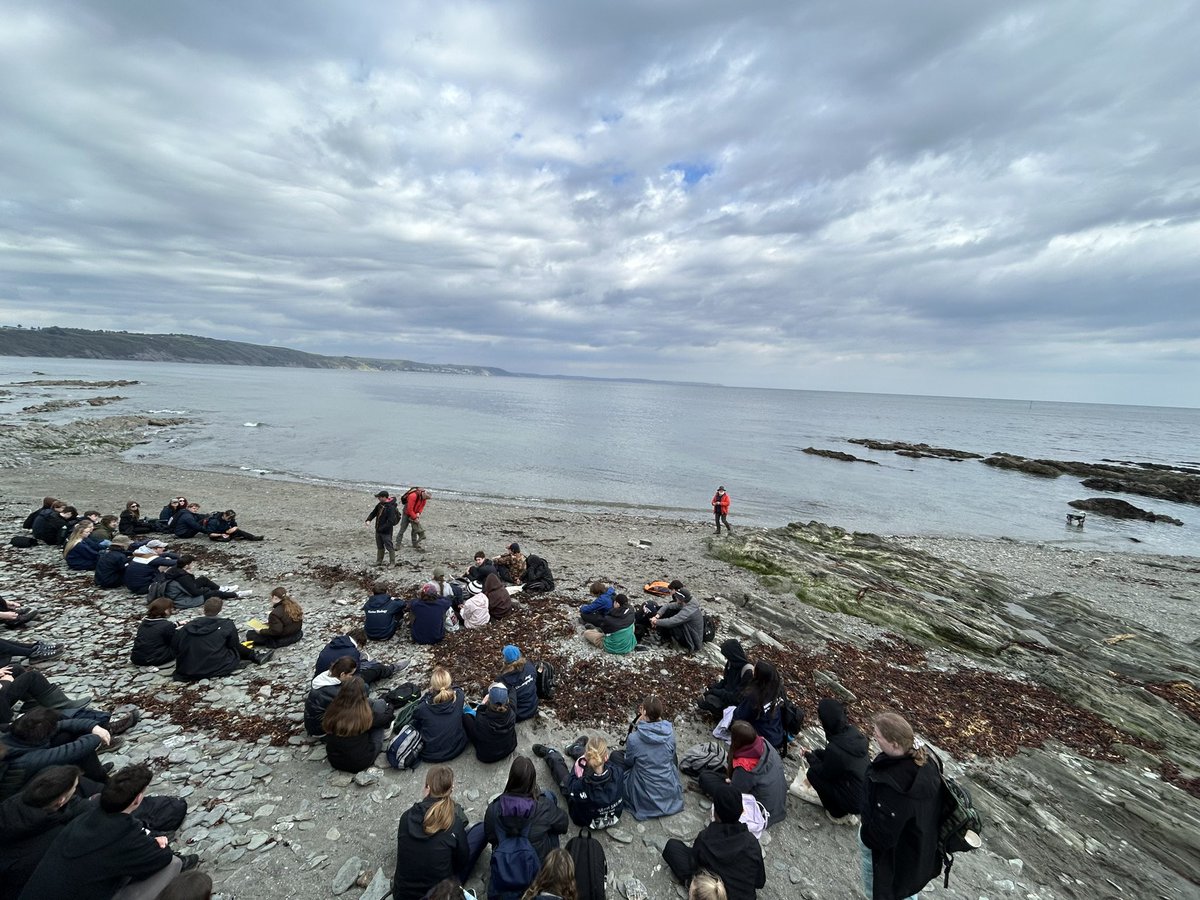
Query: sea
648	448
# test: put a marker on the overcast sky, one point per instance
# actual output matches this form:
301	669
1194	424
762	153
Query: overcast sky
980	199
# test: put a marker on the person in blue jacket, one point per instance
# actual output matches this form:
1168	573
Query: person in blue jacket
429	615
187	522
520	677
144	565
111	563
652	784
602	601
382	612
350	644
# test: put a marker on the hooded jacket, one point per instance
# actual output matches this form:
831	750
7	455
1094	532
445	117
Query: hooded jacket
495	732
522	690
320	694
186	524
26	832
538	577
686	625
766	780
595	801
499	600
601	604
110	568
736	675
142	569
93	855
152	645
422	860
730	851
838	772
386	514
205	647
546	819
22	761
618	629
382	612
49	528
441	728
182	589
652	784
428	619
82	557
474	610
342	645
900	824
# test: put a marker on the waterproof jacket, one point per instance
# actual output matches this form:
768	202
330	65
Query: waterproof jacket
495	732
736	675
652	784
522	690
186	524
499	600
720	502
595	801
767	719
838	772
730	851
766	781
474	611
441	728
354	753
340	646
93	855
601	604
26	832
414	503
132	525
686	625
545	817
386	515
142	569
381	612
110	568
82	557
320	694
22	761
153	643
428	619
280	625
900	824
618	628
538	577
49	527
205	647
425	859
182	590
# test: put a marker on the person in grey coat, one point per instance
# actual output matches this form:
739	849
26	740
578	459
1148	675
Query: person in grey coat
652	784
754	768
682	620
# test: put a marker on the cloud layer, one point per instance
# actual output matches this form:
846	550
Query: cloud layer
990	200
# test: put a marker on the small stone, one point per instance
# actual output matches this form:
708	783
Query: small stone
333	835
368	777
257	839
621	837
795	876
347	875
265	810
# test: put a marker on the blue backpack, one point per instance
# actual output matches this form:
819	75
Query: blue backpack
514	864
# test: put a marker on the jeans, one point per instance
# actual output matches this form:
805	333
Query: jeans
868	871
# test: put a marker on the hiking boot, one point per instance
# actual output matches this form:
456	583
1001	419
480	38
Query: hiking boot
189	862
542	750
115	744
123	718
43	652
263	656
379	557
24	617
392	557
848	819
107	767
419	548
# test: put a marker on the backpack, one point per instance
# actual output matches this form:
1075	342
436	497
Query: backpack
710	756
404	697
658	589
157	588
792	717
389	516
547	681
958	816
515	863
404	751
710	628
23	540
591	868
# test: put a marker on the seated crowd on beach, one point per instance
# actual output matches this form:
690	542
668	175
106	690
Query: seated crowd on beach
67	819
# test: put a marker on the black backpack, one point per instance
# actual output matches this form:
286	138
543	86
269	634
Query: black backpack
389	516
157	588
547	681
591	868
710	628
957	816
792	717
23	540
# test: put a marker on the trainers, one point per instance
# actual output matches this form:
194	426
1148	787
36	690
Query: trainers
189	862
848	819
26	616
115	744
541	750
123	718
245	593
43	652
228	587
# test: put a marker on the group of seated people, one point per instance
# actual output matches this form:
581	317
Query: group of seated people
614	623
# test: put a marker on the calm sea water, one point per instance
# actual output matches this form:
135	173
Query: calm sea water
656	448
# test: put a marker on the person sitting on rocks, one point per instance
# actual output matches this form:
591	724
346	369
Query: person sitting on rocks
474	610
707	886
520	677
223	526
31	820
500	601
208	646
106	528
602	600
724	847
682	621
431	839
106	851
594	789
35	652
754	768
31	688
510	566
46	509
323	689
187	522
80	551
131	523
284	623
734	679
615	633
382	613
166	516
428	613
836	776
44	737
482	568
187	590
51	528
492	725
652	785
761	704
15	614
350	644
111	563
354	727
153	645
556	880
538	578
452	590
439	719
144	564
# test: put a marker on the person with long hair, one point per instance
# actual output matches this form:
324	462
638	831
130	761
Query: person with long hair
152	645
353	727
754	768
431	839
520	804
593	788
492	725
284	622
761	704
652	785
322	689
899	834
81	551
131	522
439	719
556	881
520	677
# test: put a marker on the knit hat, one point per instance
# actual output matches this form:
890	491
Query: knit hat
439	572
512	653
429	589
475	587
497	694
727	803
514	547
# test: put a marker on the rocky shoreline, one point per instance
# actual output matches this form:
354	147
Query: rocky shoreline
1064	689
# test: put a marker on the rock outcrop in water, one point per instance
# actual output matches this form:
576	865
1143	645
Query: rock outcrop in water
1120	509
915	451
837	454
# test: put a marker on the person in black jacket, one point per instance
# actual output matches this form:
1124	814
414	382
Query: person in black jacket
382	613
187	523
734	679
520	677
45	509
899	834
354	727
111	563
30	821
431	839
208	646
33	688
323	689
188	590
386	516
223	526
144	565
439	719
836	776
492	726
153	645
538	578
725	847
131	523
350	644
594	789
42	738
522	800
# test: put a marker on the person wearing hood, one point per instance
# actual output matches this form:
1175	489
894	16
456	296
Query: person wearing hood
615	633
522	804
836	776
500	602
520	677
144	565
105	849
351	644
153	643
386	516
594	789
431	839
439	719
652	785
725	848
208	646
111	563
899	835
492	726
538	579
754	768
736	675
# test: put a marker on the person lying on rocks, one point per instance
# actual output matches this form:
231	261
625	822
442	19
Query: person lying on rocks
208	646
725	847
223	526
428	612
34	651
491	726
615	633
111	563
439	719
351	644
187	590
754	768
106	851
45	737
651	777
187	522
481	569
31	688
836	778
46	509
14	613
594	789
510	565
761	704
682	621
593	613
354	727
520	677
81	550
153	645
736	675
144	563
132	523
284	622
382	613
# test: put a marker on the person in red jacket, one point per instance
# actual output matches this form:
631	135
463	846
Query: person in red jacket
414	500
720	505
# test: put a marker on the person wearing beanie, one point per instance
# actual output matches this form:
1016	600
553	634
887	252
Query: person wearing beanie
386	516
429	614
725	847
510	566
492	725
720	505
520	677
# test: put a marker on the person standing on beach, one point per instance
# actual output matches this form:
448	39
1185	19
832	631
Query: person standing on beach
720	505
386	516
413	501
